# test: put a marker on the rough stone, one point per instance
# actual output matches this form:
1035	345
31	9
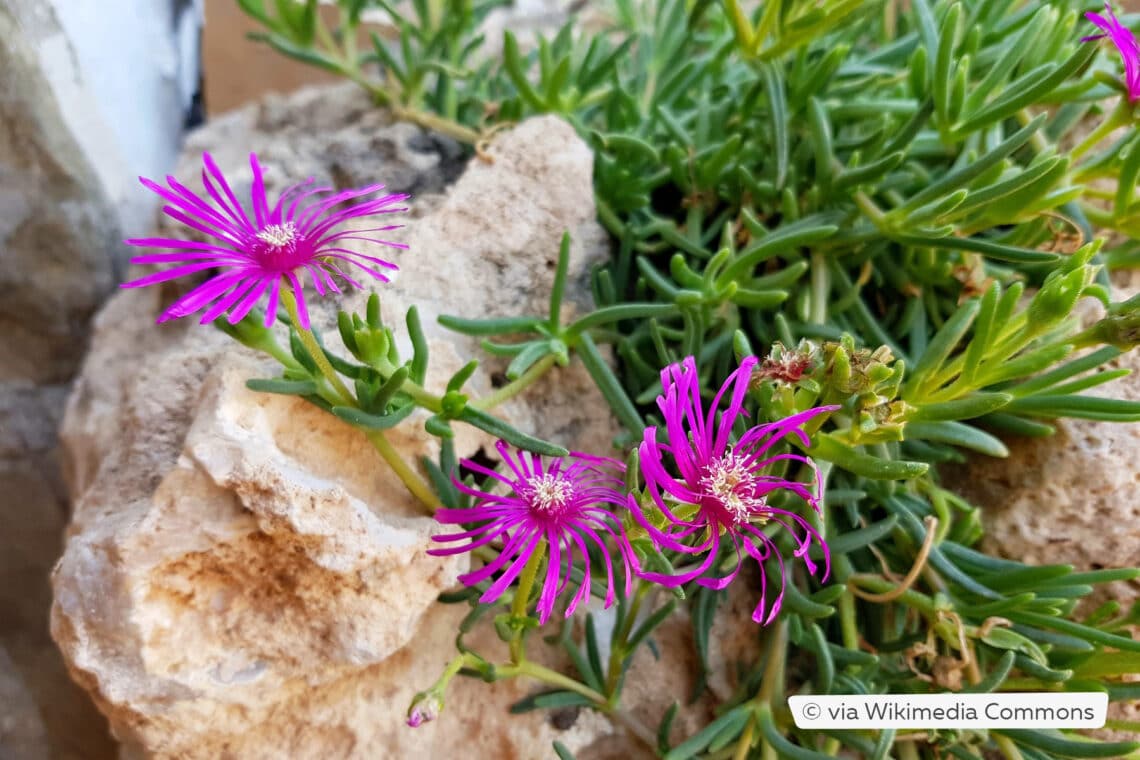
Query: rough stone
56	223
334	134
1070	498
244	577
59	231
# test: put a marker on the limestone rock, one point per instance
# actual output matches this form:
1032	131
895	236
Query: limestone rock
59	232
1070	498
57	225
244	577
334	133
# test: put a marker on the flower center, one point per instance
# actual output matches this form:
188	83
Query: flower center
729	483
280	247
278	235
549	494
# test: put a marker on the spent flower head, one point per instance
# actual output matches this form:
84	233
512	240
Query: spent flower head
259	248
786	365
567	503
1125	42
722	488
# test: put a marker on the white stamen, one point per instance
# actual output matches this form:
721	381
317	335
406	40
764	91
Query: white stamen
549	493
727	480
278	235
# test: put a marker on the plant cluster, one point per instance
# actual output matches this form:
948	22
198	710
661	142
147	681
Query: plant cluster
867	225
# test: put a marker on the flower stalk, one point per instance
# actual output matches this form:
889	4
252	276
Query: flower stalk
413	482
315	351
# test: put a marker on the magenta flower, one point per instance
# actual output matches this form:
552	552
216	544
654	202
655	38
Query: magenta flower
259	248
1125	42
722	489
563	503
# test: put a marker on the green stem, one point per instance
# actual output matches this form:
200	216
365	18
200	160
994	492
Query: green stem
413	482
870	209
419	394
618	650
457	664
907	750
610	220
1111	122
512	389
847	621
348	66
324	37
433	123
314	348
772	685
1028	684
556	679
400	112
1037	141
522	596
847	628
820	288
740	25
744	743
266	343
1007	747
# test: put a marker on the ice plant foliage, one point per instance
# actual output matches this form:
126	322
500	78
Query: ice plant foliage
260	248
883	179
1125	42
723	488
562	506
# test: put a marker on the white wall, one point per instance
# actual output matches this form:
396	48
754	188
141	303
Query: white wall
124	72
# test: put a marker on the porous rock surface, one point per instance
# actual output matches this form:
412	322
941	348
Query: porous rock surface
59	234
1074	497
244	577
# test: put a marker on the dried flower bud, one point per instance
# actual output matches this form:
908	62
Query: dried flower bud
786	366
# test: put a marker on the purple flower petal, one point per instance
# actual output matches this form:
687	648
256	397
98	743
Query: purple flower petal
570	502
725	484
1125	42
273	246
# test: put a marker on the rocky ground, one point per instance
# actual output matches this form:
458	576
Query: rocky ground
243	575
58	238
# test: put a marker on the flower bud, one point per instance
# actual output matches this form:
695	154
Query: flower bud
425	708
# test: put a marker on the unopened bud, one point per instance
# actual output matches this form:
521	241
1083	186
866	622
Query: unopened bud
425	708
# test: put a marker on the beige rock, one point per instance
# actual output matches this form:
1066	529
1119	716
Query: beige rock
1072	497
244	577
60	243
58	229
